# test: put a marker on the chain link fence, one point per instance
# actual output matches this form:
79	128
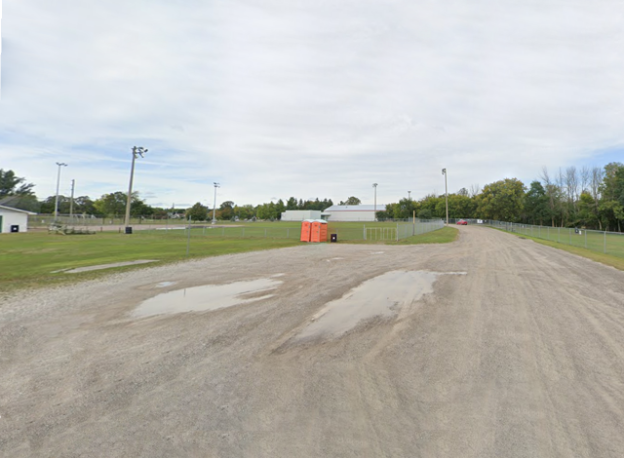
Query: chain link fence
343	231
600	241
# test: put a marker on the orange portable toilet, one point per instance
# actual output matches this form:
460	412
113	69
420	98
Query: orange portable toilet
319	231
306	229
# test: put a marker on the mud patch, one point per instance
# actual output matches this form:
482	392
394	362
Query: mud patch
207	297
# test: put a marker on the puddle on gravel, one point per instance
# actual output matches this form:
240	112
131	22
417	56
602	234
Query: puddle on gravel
381	296
165	284
207	297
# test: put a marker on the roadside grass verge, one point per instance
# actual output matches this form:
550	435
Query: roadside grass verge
443	235
27	260
610	260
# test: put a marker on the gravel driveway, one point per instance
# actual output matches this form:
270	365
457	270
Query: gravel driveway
493	346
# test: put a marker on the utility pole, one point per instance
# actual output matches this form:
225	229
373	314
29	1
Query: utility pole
136	151
71	201
375	207
58	182
214	205
409	195
445	192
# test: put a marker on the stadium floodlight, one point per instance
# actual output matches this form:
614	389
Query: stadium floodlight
375	206
136	151
58	181
409	195
214	204
445	192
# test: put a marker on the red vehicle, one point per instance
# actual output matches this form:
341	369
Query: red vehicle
462	222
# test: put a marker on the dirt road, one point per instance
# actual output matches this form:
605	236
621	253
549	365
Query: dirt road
521	356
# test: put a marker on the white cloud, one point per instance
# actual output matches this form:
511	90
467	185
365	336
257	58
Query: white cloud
307	98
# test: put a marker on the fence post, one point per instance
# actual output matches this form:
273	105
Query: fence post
397	236
605	242
364	237
569	236
585	238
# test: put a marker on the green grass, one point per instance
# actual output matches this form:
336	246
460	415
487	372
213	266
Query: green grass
28	259
445	235
576	244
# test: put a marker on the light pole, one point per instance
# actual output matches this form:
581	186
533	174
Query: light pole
58	182
71	202
214	204
136	151
409	195
445	192
375	207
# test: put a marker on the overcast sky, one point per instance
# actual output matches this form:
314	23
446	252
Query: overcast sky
310	98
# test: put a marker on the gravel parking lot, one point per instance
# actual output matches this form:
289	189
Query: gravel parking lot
492	346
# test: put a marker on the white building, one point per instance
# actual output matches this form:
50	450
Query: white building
300	215
13	219
352	212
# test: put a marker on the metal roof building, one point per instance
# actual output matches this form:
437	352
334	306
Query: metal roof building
352	212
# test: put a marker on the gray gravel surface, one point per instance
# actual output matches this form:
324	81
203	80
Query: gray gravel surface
521	357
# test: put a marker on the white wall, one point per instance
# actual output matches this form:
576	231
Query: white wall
351	215
300	215
10	218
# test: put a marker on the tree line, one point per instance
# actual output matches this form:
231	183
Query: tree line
17	193
589	197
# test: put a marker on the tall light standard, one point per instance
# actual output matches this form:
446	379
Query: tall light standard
409	195
445	192
375	207
214	204
71	201
136	151
58	182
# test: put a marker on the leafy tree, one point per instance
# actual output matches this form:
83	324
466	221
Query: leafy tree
382	215
425	213
351	201
502	200
197	212
12	185
245	212
460	206
280	208
113	205
536	204
291	204
226	210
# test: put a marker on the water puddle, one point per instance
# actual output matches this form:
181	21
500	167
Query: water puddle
207	297
382	296
165	284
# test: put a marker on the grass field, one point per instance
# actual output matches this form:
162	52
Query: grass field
28	259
